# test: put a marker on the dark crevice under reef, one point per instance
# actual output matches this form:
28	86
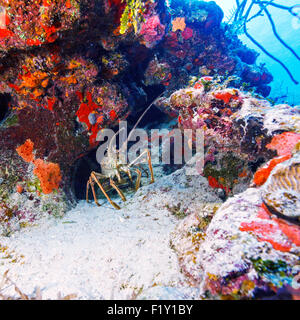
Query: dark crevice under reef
4	106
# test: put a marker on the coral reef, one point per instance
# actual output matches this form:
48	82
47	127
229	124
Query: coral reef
240	253
71	68
35	23
53	79
152	31
157	73
237	127
247	249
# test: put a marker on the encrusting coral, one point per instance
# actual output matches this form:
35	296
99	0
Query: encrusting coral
283	144
34	23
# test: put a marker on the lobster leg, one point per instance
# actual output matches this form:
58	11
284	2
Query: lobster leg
94	194
138	179
118	190
147	151
90	183
150	165
144	171
129	175
93	176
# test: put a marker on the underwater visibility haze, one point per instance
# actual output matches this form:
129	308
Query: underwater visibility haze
150	149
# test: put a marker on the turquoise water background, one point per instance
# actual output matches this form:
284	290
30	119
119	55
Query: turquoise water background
288	28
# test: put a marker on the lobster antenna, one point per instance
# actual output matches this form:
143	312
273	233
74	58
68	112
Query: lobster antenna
109	149
140	118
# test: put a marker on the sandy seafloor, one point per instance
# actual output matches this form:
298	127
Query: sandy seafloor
96	253
104	253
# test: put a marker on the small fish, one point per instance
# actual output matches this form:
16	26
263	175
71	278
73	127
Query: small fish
92	118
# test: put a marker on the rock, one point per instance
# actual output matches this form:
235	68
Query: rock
69	69
28	26
281	192
264	90
230	261
247	55
245	249
256	76
237	128
180	193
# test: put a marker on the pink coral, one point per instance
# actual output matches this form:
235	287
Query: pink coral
152	31
187	33
284	143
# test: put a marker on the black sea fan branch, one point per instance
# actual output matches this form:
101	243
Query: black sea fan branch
277	35
243	16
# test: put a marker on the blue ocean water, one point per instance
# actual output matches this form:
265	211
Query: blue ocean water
288	28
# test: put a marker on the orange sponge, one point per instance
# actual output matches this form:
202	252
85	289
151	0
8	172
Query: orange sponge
26	151
48	174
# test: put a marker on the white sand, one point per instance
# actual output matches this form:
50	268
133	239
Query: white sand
102	254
